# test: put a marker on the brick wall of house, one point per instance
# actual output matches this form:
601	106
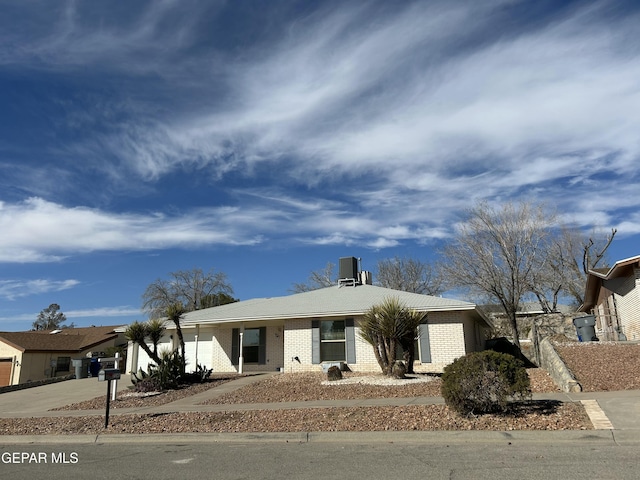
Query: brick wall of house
451	335
446	334
221	350
297	343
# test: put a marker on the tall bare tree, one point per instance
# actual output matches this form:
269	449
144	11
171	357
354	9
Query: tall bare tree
498	252
571	254
409	275
190	288
185	291
317	279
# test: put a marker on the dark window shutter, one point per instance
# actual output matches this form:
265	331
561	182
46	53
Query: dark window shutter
235	346
425	345
262	352
315	341
350	337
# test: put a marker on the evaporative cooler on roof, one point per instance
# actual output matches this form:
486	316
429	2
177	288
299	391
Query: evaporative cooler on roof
348	268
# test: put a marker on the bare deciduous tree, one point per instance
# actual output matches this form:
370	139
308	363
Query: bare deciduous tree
498	252
185	291
571	255
317	279
409	275
190	288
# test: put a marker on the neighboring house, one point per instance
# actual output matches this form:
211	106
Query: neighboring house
612	295
38	355
300	332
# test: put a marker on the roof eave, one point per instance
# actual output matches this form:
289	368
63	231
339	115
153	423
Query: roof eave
337	313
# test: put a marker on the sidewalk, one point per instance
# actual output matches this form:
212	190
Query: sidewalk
609	411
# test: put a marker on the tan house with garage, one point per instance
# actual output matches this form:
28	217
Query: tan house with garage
33	356
304	331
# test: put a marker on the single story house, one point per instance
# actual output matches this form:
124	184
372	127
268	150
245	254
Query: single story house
301	332
612	295
39	355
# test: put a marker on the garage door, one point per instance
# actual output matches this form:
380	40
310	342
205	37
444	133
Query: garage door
5	372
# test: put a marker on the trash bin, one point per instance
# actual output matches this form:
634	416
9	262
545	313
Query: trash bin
585	328
81	366
94	368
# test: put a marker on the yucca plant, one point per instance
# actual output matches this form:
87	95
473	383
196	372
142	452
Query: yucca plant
388	326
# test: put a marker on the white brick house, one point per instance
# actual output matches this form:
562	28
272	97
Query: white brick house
613	296
299	332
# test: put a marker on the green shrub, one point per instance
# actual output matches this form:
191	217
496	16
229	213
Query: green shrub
483	382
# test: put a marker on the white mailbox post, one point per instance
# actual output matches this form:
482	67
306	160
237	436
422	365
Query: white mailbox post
107	375
116	364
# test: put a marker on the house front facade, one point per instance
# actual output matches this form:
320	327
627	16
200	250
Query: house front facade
612	295
306	331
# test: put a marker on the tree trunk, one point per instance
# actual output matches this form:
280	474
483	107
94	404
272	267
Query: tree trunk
409	347
514	329
152	355
183	360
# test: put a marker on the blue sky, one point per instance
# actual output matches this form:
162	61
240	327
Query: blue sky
265	139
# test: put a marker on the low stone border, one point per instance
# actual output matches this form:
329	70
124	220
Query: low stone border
552	363
38	383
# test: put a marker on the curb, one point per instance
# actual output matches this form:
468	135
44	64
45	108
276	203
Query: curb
588	437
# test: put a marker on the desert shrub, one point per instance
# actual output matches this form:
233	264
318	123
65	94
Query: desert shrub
147	384
399	369
166	375
484	382
199	375
334	373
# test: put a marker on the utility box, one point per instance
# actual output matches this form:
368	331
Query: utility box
107	374
585	328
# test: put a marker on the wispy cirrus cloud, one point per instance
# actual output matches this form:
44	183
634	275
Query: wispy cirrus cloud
378	124
12	289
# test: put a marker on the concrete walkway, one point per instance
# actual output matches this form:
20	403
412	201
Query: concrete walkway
619	411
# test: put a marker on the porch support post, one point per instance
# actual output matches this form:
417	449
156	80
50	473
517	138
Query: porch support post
196	340
241	359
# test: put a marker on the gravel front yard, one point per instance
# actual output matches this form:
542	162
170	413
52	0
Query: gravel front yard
597	366
306	387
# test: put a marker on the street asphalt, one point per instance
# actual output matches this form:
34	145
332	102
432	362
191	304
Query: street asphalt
615	415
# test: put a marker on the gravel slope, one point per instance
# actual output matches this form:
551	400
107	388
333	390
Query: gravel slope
602	366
